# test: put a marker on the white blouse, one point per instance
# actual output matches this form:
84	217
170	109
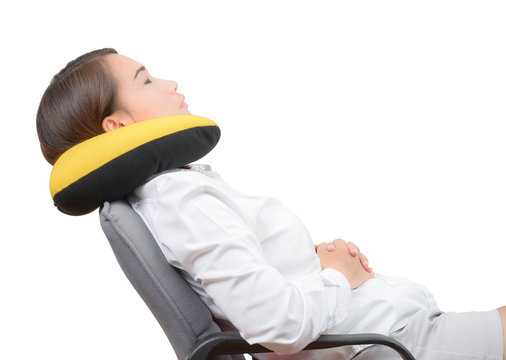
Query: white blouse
252	261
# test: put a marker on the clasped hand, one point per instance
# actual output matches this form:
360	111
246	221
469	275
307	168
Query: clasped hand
346	258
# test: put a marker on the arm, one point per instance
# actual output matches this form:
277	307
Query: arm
214	244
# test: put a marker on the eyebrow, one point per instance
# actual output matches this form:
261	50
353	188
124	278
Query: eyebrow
142	68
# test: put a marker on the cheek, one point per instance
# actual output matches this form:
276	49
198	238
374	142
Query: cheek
156	105
165	104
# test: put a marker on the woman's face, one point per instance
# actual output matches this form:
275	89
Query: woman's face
141	96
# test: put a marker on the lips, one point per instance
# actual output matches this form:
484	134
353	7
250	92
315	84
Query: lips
183	103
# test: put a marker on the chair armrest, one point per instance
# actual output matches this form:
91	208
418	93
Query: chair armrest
228	343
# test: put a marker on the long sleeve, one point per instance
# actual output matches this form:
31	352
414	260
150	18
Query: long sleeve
207	235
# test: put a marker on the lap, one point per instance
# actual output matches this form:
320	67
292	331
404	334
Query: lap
435	335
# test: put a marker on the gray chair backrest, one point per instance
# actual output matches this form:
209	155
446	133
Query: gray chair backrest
181	313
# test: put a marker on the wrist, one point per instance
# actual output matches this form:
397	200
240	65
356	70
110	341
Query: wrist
333	277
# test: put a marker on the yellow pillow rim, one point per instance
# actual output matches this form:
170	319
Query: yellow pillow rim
76	162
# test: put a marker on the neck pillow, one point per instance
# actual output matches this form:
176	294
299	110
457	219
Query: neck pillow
109	166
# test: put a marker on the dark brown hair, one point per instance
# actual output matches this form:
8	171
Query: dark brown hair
76	101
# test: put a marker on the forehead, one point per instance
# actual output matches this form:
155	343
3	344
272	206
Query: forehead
122	67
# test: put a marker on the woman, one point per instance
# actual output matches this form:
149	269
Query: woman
233	247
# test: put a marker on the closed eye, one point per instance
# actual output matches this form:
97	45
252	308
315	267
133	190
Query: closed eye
147	81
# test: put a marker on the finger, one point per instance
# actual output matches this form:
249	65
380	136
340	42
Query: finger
354	250
338	244
329	246
365	262
363	259
322	246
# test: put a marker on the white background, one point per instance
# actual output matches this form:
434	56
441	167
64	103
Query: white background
380	122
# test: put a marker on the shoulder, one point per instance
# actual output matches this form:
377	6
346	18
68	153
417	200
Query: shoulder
172	183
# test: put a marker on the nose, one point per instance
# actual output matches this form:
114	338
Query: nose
171	86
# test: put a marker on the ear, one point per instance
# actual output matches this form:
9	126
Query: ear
114	121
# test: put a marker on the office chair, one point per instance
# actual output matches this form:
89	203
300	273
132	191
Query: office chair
183	316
